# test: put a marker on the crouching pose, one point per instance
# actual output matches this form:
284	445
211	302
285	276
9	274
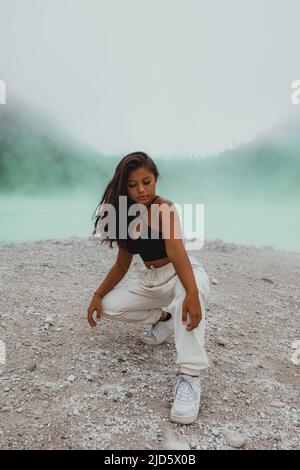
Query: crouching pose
171	291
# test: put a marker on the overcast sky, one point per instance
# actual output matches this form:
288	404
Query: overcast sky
163	76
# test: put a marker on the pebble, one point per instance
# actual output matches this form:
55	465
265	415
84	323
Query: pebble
235	439
276	404
91	377
174	443
71	378
266	279
221	341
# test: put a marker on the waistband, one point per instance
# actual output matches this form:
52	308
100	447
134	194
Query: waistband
160	269
169	266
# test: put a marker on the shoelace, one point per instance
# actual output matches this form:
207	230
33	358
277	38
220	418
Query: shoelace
184	390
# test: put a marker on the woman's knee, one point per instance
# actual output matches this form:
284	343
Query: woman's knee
112	303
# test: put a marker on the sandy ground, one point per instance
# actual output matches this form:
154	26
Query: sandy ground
65	385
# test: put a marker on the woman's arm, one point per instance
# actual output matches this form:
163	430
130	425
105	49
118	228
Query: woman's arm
114	276
116	273
176	251
177	254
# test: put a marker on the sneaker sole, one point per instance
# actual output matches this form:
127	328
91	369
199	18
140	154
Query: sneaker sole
183	420
153	342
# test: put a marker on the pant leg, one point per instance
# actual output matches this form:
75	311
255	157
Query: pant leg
192	357
132	306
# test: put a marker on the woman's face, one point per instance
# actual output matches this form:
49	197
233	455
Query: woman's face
141	185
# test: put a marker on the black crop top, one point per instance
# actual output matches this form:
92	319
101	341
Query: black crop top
149	248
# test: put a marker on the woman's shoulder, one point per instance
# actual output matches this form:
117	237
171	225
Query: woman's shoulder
160	200
164	205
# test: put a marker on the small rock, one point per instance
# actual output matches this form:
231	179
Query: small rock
31	367
5	409
214	281
50	320
266	279
91	377
215	432
173	442
234	438
128	394
276	404
221	341
71	378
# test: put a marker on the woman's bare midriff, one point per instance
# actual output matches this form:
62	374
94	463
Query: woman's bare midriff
157	263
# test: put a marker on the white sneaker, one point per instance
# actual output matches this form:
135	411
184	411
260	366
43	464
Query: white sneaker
159	332
186	404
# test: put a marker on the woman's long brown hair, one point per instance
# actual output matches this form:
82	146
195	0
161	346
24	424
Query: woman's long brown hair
118	187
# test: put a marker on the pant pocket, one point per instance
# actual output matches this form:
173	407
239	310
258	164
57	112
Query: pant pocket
134	286
194	262
203	282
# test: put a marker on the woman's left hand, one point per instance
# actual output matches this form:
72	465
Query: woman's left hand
191	305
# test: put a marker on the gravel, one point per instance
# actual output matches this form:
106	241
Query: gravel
67	386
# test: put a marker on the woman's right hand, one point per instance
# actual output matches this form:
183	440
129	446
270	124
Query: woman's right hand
95	306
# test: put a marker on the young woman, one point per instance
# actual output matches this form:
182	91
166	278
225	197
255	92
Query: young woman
170	293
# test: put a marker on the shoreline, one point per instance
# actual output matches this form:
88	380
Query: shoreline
208	242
